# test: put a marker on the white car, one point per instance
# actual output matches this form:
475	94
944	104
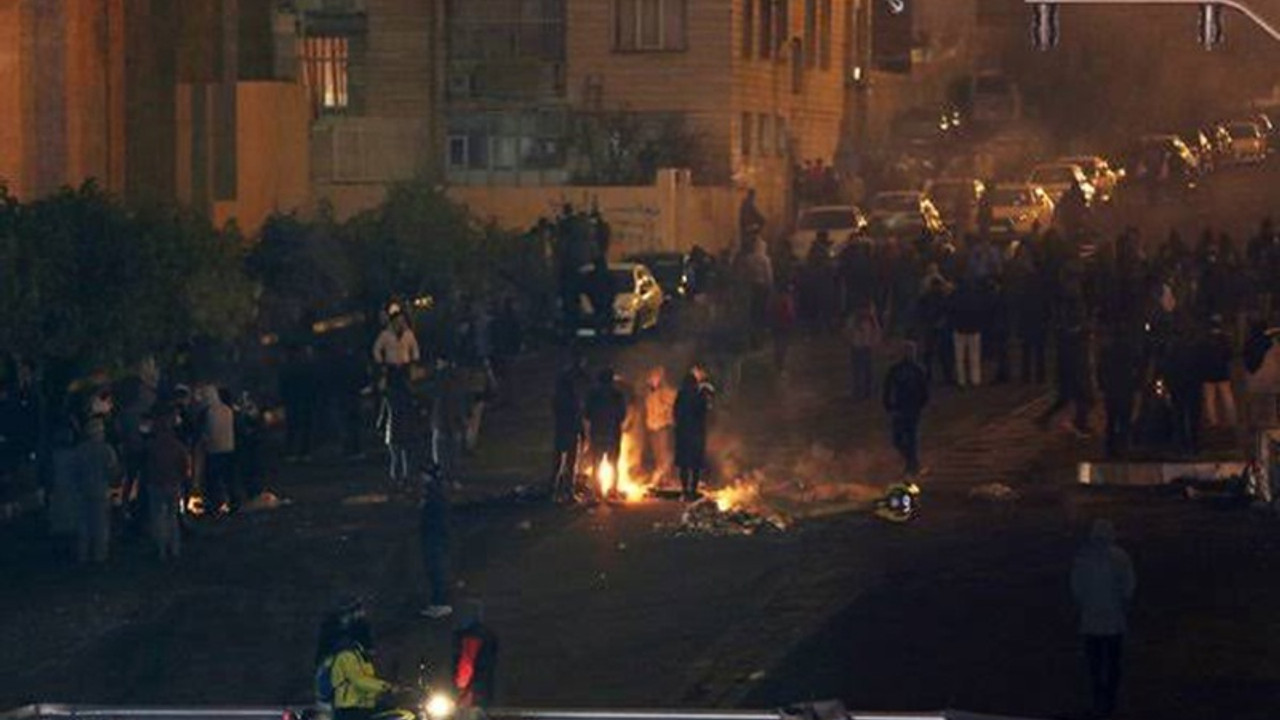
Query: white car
841	222
1098	172
1248	143
957	200
1017	208
1056	179
637	300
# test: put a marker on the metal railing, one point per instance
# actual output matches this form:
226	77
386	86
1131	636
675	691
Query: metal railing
804	712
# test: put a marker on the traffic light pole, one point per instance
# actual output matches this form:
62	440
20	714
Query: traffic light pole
1044	22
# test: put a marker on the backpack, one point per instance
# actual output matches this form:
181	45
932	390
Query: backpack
325	691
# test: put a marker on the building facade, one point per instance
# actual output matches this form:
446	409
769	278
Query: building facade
604	91
372	73
154	100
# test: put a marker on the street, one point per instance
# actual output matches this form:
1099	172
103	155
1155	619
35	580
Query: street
965	607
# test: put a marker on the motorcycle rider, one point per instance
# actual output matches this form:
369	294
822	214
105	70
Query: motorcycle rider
346	677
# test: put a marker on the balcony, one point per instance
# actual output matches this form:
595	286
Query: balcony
355	150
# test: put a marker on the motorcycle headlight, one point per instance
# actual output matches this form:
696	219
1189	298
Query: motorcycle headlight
439	706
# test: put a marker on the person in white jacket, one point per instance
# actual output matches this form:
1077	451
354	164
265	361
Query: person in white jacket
1102	583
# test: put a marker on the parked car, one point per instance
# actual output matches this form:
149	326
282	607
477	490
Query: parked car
637	303
841	222
1155	151
1248	144
904	214
1056	179
670	269
957	200
1098	172
1018	208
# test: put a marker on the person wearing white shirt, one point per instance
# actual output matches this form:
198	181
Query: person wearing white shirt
396	349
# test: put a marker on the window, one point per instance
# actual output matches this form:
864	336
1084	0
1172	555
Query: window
649	25
748	26
824	32
766	29
325	61
458	151
780	143
746	134
781	25
810	33
797	66
764	136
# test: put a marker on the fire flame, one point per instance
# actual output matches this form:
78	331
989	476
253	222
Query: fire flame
738	496
617	482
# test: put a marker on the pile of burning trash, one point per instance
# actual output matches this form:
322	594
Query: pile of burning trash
736	509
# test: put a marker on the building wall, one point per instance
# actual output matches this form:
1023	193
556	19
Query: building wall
670	215
272	172
13	111
61	94
693	81
392	130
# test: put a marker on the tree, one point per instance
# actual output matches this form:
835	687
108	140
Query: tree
303	268
86	283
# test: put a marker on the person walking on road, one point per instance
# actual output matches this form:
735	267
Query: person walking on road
396	350
1102	584
434	533
906	393
692	411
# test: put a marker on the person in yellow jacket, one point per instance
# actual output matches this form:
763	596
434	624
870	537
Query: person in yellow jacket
358	692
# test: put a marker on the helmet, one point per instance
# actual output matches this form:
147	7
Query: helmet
900	503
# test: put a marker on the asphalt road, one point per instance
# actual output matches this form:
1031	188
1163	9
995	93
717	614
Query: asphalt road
966	607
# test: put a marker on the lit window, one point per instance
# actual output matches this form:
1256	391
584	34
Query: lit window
325	63
649	24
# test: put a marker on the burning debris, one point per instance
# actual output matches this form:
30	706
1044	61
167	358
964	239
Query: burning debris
736	509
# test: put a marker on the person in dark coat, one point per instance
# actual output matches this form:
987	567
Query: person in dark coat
693	407
434	533
606	410
906	393
1119	367
1183	371
1073	375
969	313
567	406
1220	400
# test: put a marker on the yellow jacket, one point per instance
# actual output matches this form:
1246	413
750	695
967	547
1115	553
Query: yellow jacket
355	685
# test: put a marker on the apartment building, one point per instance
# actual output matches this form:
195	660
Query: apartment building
155	100
372	73
545	91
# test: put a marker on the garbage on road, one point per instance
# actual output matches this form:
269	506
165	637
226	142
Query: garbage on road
994	492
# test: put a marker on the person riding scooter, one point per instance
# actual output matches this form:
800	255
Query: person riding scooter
346	679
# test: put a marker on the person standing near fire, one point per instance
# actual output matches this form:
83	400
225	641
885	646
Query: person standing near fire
659	421
692	411
606	411
567	406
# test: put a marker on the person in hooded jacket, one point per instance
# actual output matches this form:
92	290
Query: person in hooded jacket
1102	585
692	411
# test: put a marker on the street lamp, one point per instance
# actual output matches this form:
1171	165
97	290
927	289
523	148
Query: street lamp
1044	25
1210	25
